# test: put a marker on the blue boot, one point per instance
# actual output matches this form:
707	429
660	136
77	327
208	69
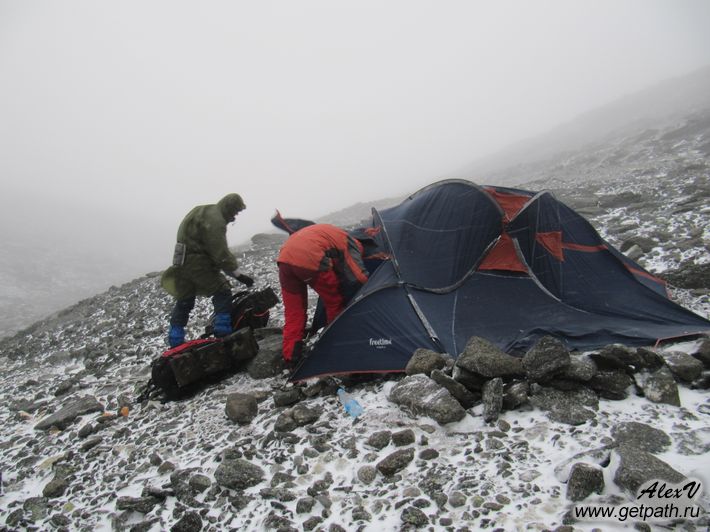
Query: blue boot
176	336
222	324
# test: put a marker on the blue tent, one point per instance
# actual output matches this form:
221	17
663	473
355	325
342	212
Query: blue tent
504	264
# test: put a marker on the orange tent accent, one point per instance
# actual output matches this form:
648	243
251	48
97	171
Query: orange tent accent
510	203
503	257
552	242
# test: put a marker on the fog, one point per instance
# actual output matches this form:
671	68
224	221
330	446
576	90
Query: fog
118	117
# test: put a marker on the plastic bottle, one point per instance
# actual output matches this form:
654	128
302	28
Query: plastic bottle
352	407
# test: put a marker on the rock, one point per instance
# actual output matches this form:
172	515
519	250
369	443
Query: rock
641	436
367	474
199	483
403	438
471	381
360	514
650	359
546	359
322	387
180	485
238	474
320	487
304	415
268	362
25	405
35	508
530	475
584	480
324	501
425	361
189	522
618	357
58	485
645	244
298	416
660	387
484	358
429	454
492	399
312	522
611	384
88	429
465	397
702	353
600	457
515	395
269	239
414	516
15	518
166	467
571	414
380	439
60	521
457	499
634	252
694	442
637	467
395	462
288	397
581	368
689	275
569	407
684	366
423	396
65	387
241	407
66	415
141	505
305	505
279	494
273	521
285	422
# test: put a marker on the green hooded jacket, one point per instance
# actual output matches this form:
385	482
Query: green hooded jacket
204	233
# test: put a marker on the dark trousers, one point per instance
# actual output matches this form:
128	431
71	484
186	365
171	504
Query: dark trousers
180	315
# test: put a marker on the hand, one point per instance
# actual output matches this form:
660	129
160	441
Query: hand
245	280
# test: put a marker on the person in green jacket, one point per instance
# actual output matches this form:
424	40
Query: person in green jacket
201	255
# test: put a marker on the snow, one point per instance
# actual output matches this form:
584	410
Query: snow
106	343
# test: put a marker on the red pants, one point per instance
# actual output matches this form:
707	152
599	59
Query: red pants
294	293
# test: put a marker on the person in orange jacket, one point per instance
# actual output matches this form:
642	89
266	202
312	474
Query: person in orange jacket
327	259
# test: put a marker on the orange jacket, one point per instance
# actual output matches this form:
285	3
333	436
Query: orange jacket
321	247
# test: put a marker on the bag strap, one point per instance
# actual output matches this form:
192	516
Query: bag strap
150	391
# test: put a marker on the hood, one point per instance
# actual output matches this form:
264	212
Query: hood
230	205
290	225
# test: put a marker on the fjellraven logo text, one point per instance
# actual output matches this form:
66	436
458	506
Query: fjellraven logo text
380	343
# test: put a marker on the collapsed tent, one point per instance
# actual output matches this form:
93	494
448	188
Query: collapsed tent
507	265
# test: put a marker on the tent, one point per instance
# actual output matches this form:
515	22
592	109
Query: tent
504	264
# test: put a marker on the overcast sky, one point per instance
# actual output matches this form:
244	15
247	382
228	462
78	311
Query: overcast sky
142	109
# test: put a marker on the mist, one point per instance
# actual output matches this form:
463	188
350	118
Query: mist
117	118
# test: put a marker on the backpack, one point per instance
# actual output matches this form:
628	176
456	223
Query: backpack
249	309
184	370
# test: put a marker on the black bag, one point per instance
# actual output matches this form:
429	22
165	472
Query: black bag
184	370
249	309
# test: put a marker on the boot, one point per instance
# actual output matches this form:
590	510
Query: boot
176	336
222	324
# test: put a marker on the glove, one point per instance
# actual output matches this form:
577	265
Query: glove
245	280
